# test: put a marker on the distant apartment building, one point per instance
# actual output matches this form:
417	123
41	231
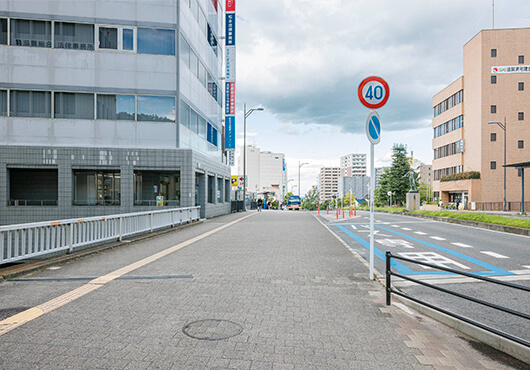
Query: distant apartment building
494	88
425	174
266	171
378	172
353	165
106	105
358	186
328	182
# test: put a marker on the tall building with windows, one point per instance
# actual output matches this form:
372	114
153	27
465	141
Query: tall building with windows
469	116
353	165
328	182
106	105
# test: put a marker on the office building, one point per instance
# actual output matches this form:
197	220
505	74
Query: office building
328	183
353	165
378	172
106	105
358	186
494	87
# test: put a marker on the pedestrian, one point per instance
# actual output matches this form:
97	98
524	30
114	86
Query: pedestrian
260	204
269	205
457	203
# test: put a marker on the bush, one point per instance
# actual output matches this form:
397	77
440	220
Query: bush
461	176
479	217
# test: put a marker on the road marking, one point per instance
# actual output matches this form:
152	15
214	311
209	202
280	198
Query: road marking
437	238
452	279
405	228
493	254
395	243
462	245
28	315
432	258
528	267
420	233
353	227
395	225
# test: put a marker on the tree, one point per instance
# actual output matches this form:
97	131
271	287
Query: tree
286	197
395	178
311	199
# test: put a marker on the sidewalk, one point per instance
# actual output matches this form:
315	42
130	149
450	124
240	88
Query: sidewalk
283	291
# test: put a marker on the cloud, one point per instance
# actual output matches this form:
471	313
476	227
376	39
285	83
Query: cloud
303	60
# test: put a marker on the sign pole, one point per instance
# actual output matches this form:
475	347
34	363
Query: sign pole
372	216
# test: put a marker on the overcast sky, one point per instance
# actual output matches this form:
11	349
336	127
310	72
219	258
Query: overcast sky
302	61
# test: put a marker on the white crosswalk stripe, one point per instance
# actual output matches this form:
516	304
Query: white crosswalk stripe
420	233
493	254
406	228
462	245
437	238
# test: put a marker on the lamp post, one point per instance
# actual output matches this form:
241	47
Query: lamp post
292	187
246	114
300	166
503	126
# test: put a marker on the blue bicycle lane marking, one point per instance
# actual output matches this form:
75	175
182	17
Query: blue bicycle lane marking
494	270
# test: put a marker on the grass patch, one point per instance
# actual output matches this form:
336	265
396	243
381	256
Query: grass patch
479	217
386	209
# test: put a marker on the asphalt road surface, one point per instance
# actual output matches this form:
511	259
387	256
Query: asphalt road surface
498	255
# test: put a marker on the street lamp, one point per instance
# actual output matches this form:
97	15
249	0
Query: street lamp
300	166
503	126
292	187
247	113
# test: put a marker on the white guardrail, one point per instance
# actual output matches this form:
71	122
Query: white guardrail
23	241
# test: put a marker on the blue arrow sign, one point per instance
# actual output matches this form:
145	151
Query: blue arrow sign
373	128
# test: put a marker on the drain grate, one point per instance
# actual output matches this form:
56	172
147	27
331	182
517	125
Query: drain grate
8	312
212	329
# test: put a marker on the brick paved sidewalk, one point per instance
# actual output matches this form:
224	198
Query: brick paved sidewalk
299	298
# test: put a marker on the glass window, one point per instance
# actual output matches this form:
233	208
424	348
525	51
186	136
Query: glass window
74	105
493	165
115	107
184	114
493	136
227	191
108	38
211	189
202	74
521	86
74	36
493	80
521	116
521	59
194	121
3	31
209	132
194	63
30	104
214	136
520	144
31	33
156	108
493	109
128	39
202	22
202	127
493	53
212	40
184	51
219	190
194	8
3	102
156	41
149	184
97	188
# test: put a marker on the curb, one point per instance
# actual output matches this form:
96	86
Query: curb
29	267
507	346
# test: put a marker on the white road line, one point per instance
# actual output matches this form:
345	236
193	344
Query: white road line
395	225
437	238
493	254
420	233
405	228
353	227
528	267
462	245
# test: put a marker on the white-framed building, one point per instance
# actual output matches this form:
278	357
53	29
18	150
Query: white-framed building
328	182
353	165
105	105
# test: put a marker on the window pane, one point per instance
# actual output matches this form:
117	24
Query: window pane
108	38
155	41
202	74
116	107
194	121
74	105
202	127
184	51
194	62
184	113
102	188
3	102
156	108
3	31
74	36
31	104
214	136
31	33
128	39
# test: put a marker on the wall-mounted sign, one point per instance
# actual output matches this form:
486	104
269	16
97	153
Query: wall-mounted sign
230	133
230	29
510	69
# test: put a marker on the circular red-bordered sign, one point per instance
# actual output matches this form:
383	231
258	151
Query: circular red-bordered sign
373	92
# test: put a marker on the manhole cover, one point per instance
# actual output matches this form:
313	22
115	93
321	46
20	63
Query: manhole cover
212	329
8	312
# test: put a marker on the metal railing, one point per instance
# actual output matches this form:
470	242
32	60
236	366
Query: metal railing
390	291
25	241
497	206
32	202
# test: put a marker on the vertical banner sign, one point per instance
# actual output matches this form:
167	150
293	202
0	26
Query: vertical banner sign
230	85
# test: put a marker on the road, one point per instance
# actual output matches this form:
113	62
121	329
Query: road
499	255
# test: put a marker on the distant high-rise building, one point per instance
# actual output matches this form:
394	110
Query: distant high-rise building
378	172
353	165
328	182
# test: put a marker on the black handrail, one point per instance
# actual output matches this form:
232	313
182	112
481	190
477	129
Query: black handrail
390	290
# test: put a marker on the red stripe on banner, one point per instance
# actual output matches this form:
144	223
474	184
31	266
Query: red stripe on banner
230	5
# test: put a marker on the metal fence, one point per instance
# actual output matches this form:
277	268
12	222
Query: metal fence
25	241
497	206
390	291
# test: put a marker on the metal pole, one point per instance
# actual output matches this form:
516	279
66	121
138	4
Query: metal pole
504	199
299	177
388	279
522	190
245	157
372	186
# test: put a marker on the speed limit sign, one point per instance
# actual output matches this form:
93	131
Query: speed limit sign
373	92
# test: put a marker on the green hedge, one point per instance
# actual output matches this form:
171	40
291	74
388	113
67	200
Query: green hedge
461	176
479	217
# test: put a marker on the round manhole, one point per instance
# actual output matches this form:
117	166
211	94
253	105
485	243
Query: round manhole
212	329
